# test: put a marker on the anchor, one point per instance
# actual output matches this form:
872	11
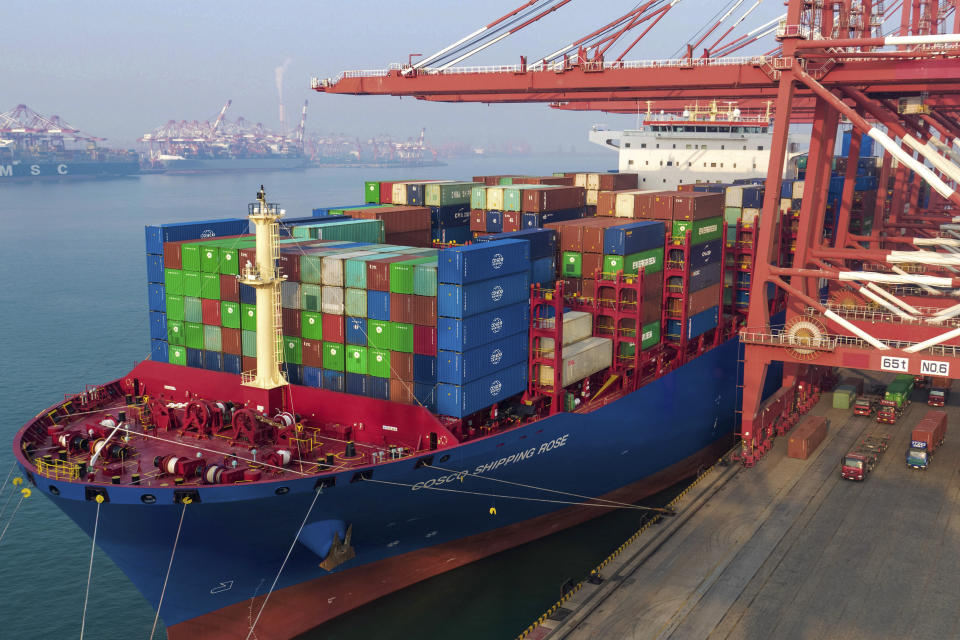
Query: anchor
340	552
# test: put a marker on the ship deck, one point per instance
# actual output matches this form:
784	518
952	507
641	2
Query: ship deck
788	549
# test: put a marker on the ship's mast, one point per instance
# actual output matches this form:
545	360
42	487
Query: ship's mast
264	278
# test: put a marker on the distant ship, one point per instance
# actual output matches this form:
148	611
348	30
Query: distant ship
34	147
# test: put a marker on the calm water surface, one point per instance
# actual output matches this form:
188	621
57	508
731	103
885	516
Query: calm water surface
73	311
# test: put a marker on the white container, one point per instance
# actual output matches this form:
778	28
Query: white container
331	300
625	204
785	205
581	359
593	181
577	325
290	295
332	267
495	198
750	216
592	196
797	189
580	180
733	197
399	193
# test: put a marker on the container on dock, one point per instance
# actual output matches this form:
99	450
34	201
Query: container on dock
843	397
806	437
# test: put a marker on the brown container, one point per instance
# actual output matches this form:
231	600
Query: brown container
570	233
229	288
397	219
401	365
593	232
291	322
685	187
378	272
703	299
401	391
401	307
424	310
607	204
552	198
246	255
289	264
591	264
555	180
806	437
312	353
171	251
231	340
478	220
697	205
573	286
618	181
249	364
656	206
653	286
511	220
420	238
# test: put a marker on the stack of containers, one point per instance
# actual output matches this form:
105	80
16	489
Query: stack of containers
402	225
595	183
449	204
156	237
581	257
742	203
504	208
483	303
543	252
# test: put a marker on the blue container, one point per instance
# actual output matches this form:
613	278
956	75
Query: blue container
707	276
213	360
154	268
460	368
356	384
455	301
531	220
159	350
415	194
743	279
356	332
424	368
157	297
494	221
865	183
425	395
312	377
786	188
697	324
543	242
378	388
866	144
156	235
633	237
468	333
458	234
463	265
195	358
158	325
460	401
378	305
753	197
741	181
707	253
333	380
743	297
232	363
710	188
452	215
294	372
248	295
543	270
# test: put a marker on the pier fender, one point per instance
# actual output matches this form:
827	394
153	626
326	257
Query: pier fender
319	536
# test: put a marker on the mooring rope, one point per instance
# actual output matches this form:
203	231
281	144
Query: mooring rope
24	494
173	552
93	547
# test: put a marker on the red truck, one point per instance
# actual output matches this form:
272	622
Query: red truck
939	389
926	438
862	460
888	412
865	406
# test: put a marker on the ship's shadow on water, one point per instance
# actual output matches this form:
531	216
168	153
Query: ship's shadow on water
498	596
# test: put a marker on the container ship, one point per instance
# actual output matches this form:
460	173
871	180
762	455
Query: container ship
342	405
35	147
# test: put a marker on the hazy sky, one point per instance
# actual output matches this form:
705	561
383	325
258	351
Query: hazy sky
121	68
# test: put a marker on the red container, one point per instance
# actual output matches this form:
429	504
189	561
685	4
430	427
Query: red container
593	232
312	353
571	234
703	299
592	263
378	272
685	187
419	238
618	181
425	340
588	288
556	180
249	364
396	219
697	205
553	198
246	255
401	365
478	220
424	310
229	288
573	286
607	204
511	220
210	312
386	192
806	437
401	307
661	207
231	341
291	322
401	391
289	264
332	328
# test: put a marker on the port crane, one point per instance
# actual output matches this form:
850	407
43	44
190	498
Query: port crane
884	300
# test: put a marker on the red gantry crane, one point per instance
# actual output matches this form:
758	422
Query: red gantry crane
884	300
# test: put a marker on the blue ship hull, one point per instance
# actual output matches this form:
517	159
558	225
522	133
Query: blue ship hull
23	170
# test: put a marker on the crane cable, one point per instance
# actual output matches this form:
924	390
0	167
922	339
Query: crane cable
173	552
93	547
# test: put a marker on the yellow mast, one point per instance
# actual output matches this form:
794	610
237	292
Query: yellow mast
264	278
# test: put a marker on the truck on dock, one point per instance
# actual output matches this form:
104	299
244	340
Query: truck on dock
865	405
861	460
939	390
926	438
896	397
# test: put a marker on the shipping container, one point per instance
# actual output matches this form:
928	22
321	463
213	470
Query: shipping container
461	401
552	198
651	261
806	437
157	235
334	380
633	237
455	334
460	368
697	325
463	265
700	230
580	359
577	325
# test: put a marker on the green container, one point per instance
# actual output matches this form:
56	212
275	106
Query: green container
401	337
401	274
248	341
650	335
212	338
731	215
843	398
351	230
355	302
173	281
230	314
177	355
230	260
248	317
209	258
311	297
513	197
333	356
210	286
292	350
378	362
174	307
650	260
478	197
378	334
175	333
192	309
356	359
442	194
191	284
311	325
701	230
572	264
506	180
371	192
355	269
193	335
425	279
190	257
